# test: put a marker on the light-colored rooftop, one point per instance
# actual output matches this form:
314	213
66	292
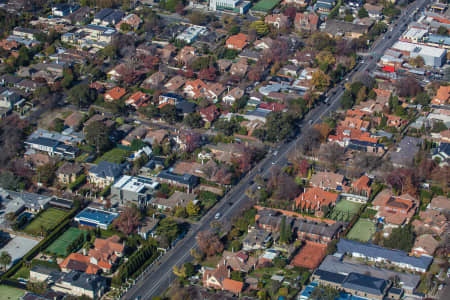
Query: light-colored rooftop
135	184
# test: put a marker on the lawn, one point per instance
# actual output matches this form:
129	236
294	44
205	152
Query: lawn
265	5
344	210
7	292
362	231
59	246
47	220
115	155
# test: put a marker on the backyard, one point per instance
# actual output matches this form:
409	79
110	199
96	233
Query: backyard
7	292
362	231
345	210
116	155
59	246
45	221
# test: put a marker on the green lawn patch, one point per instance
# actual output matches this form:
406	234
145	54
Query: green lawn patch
59	246
46	221
265	5
7	292
345	210
362	231
115	155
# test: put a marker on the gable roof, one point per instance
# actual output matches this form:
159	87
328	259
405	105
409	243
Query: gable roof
115	93
238	41
364	283
232	285
106	169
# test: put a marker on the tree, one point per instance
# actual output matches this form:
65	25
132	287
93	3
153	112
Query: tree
128	220
260	27
347	100
408	87
46	173
82	95
58	124
401	238
279	126
68	78
169	113
422	99
194	120
198	18
417	62
207	74
324	293
290	12
5	259
320	80
332	154
97	135
192	209
362	13
442	31
209	243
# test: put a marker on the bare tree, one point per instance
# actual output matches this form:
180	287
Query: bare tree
332	154
209	243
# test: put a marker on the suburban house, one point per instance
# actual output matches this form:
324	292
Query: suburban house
132	20
68	172
51	146
63	9
442	96
442	154
336	28
440	203
379	254
433	221
239	261
74	283
306	21
424	244
318	232
219	279
138	99
154	80
178	199
395	210
104	174
328	181
315	198
147	227
237	42
137	190
233	95
209	114
115	93
359	285
256	239
361	187
185	181
277	20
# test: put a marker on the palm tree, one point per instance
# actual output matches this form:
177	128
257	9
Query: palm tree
5	259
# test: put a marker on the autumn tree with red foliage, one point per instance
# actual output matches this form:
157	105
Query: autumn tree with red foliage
128	220
403	180
290	12
303	168
207	74
209	243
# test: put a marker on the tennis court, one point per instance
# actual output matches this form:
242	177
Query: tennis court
265	5
7	292
48	219
363	230
59	246
345	210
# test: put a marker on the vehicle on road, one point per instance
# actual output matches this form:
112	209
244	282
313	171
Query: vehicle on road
217	216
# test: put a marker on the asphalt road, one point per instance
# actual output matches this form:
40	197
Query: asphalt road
157	281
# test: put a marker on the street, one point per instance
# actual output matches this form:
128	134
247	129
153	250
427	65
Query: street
156	282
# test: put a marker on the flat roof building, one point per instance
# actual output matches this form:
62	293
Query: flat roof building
133	189
94	217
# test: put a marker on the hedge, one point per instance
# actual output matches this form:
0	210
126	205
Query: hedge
79	181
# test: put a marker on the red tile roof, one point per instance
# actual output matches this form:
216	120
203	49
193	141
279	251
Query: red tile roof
238	41
315	198
232	285
115	93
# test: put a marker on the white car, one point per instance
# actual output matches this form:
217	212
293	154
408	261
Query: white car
217	216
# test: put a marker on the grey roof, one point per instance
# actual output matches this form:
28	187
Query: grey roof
443	148
183	179
85	281
322	229
330	276
106	169
371	250
407	149
332	263
364	283
103	13
186	107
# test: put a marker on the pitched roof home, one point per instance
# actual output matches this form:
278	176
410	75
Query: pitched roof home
237	42
337	28
264	43
328	181
68	172
133	20
104	174
153	80
107	252
233	95
315	198
175	83
442	96
396	210
167	52
138	99
186	55
115	93
431	220
382	95
79	262
232	286
156	136
440	203
215	90
277	20
213	278
424	245
224	64
195	88
355	122
306	21
272	106
239	68
361	186
239	261
210	113
74	119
